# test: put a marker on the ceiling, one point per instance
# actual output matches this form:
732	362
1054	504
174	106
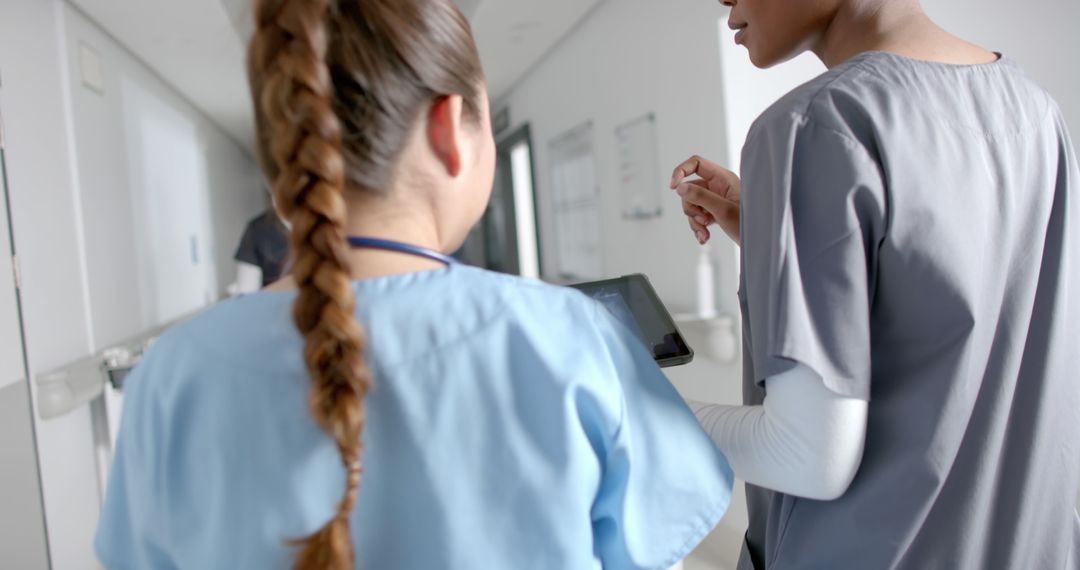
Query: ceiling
198	46
192	45
514	35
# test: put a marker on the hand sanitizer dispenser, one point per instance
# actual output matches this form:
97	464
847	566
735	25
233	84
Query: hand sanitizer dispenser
712	334
706	284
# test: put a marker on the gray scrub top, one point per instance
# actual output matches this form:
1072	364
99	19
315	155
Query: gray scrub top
910	232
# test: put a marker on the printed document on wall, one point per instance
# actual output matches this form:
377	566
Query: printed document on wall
639	169
576	205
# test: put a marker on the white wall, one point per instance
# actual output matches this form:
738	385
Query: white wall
46	235
11	357
74	165
629	58
165	193
22	522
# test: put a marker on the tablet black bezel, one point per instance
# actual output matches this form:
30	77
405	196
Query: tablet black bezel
668	362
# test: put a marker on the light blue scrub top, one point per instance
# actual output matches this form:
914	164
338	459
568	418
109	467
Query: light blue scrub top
514	425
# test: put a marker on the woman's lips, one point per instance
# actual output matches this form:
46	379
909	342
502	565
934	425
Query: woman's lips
740	36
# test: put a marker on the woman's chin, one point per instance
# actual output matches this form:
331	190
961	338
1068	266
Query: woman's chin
761	58
764	59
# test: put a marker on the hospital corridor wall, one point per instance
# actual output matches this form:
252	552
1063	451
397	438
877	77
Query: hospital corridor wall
169	185
44	219
22	522
101	181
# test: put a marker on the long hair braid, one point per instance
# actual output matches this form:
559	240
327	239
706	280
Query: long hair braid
303	158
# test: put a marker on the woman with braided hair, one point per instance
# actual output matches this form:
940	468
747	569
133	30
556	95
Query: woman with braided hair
384	407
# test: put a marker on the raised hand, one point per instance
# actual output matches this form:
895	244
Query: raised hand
712	198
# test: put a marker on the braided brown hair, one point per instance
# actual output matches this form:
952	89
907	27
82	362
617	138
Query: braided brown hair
338	86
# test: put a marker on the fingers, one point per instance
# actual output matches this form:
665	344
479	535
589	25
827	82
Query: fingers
712	199
712	203
698	218
699	221
703	203
700	232
713	177
721	211
695	165
698	214
692	209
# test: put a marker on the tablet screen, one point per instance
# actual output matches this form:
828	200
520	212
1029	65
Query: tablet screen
633	301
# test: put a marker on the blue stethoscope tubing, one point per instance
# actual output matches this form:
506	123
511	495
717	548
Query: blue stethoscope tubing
399	247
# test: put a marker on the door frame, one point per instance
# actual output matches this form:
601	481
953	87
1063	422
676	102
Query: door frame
505	145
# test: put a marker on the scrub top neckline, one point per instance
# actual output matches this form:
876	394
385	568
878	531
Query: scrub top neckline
382	282
1001	61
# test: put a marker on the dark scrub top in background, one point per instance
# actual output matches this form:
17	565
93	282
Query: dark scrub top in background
265	245
911	231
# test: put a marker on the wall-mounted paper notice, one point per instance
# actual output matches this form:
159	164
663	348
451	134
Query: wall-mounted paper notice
576	204
639	175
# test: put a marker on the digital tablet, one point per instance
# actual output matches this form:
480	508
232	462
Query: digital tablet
632	300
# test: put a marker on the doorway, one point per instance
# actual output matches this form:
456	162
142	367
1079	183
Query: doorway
507	239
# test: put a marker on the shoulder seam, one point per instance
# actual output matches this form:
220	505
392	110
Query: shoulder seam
809	121
804	113
182	339
850	140
856	67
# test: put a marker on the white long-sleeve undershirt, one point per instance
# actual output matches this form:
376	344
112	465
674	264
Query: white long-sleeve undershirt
805	440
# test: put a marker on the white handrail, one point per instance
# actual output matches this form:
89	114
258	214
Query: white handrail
65	389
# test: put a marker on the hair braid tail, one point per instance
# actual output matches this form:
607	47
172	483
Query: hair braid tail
294	92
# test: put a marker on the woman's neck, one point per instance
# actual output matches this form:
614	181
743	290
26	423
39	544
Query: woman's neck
897	26
411	224
381	220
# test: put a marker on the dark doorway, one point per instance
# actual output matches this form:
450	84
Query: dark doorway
507	239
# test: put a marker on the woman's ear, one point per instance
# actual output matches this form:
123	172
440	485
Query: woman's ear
445	134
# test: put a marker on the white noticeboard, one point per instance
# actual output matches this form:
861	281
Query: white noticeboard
576	205
639	169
